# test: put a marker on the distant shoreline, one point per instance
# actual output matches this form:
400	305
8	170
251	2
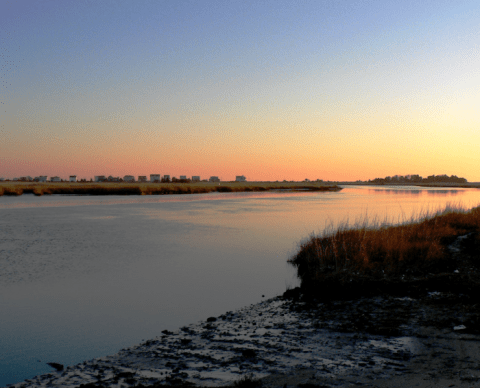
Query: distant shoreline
122	188
468	185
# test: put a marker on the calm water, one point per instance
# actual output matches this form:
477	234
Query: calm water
82	277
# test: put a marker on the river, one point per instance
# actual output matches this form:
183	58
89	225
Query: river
83	276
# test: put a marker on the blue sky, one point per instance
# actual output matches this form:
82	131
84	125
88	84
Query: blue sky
295	89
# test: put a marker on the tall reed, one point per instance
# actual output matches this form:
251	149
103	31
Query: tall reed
379	250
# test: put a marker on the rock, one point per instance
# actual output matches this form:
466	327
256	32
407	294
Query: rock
211	319
249	353
58	367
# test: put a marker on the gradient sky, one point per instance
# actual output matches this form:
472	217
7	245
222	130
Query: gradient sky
273	90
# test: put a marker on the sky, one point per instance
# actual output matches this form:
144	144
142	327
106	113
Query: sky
273	90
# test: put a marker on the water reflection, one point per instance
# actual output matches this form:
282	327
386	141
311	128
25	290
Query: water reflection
31	201
418	192
82	277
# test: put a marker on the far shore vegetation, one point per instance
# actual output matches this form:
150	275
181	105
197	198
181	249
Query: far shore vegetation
417	179
122	188
438	251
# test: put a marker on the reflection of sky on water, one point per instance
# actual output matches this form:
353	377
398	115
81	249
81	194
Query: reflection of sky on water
416	192
30	200
82	277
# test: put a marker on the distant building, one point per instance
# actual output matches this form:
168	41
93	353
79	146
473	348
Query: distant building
41	178
183	177
240	178
100	178
142	178
214	179
55	179
2	179
195	178
154	178
166	178
129	178
73	178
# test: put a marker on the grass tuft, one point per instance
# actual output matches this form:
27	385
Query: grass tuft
352	257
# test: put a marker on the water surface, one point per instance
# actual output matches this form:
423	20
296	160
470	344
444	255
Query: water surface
83	276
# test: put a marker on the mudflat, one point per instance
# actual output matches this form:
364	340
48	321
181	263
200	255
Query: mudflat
431	340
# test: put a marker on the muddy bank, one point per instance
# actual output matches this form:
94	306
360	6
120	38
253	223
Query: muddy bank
374	341
425	334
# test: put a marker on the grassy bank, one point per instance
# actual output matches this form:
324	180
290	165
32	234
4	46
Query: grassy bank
468	185
81	188
374	257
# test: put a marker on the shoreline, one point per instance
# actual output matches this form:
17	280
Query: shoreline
285	342
113	188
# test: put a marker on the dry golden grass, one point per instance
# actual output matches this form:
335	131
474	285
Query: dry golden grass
114	188
368	251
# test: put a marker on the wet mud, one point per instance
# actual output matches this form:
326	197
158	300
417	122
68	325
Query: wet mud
287	341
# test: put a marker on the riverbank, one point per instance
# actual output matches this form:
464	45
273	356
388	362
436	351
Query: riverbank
375	342
437	251
451	185
416	336
115	188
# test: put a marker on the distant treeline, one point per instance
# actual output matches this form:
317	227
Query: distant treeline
418	179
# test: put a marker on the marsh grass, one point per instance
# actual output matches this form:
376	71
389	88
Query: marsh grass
81	188
380	253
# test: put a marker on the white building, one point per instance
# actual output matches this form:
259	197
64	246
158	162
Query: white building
240	178
195	178
73	178
100	178
42	178
154	178
55	179
2	179
129	178
214	179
